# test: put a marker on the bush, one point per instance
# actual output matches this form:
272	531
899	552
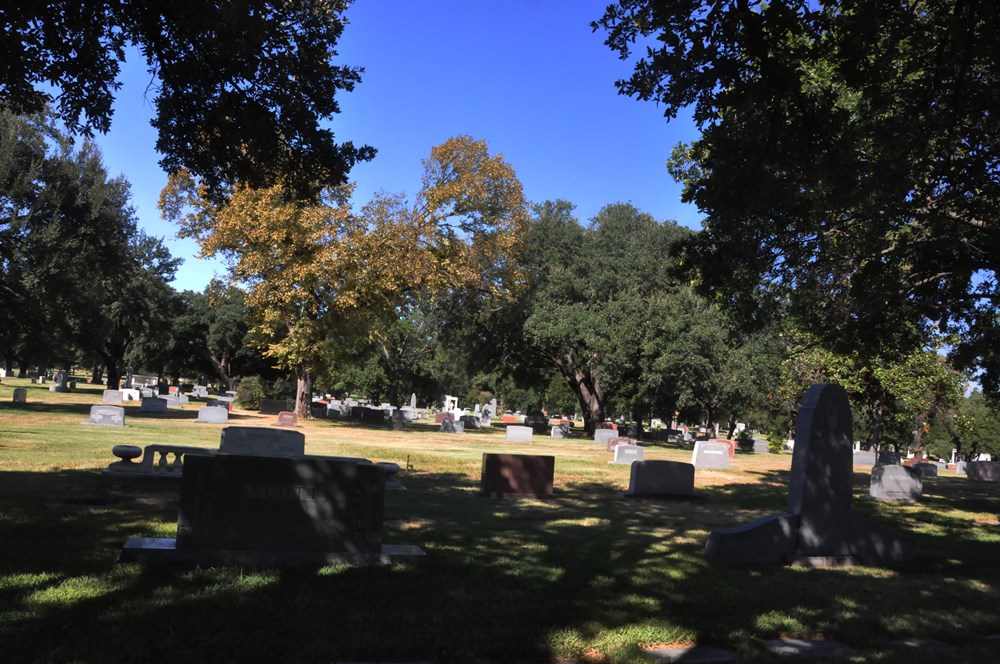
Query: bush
744	441
249	393
776	442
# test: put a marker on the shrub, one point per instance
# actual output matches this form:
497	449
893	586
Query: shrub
249	393
744	441
776	442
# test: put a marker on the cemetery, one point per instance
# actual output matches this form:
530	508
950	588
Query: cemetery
534	519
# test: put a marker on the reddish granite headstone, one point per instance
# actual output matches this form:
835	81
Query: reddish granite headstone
441	417
506	475
508	419
726	441
605	425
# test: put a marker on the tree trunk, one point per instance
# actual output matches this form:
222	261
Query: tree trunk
97	375
303	392
732	426
113	372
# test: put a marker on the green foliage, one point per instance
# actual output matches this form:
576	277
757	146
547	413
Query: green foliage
243	91
971	427
250	391
846	168
776	441
744	441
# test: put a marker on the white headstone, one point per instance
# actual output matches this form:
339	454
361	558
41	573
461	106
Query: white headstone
626	454
110	416
213	415
519	434
112	396
602	436
710	455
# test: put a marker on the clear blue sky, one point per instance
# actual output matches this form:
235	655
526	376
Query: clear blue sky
528	76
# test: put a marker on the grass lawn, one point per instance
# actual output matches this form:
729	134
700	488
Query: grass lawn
588	575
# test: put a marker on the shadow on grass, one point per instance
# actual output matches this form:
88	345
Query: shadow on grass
504	581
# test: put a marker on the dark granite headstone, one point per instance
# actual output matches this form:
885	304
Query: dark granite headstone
452	426
888	457
927	470
272	406
896	483
262	441
245	503
983	471
817	523
661	478
539	423
153	405
507	475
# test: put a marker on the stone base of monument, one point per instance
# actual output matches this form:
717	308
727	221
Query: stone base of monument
163	552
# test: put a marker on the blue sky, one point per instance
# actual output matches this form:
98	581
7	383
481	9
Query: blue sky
528	76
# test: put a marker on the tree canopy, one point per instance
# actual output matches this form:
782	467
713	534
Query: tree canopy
242	89
849	160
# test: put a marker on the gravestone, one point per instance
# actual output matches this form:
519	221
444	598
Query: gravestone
605	425
109	416
619	440
730	444
470	421
927	470
441	417
509	419
20	395
171	401
817	525
961	467
508	475
174	389
408	414
399	421
519	434
199	391
131	395
60	382
413	401
603	436
213	415
287	419
112	396
225	402
538	423
888	457
451	426
626	454
372	415
560	431
863	458
893	483
983	471
262	441
272	406
153	405
707	454
661	478
761	446
128	378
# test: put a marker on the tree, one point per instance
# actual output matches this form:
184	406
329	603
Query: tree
847	163
969	427
242	90
317	272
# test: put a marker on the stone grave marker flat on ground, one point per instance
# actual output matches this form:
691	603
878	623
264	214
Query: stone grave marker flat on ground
519	434
272	406
707	454
983	471
896	483
112	396
661	478
626	454
451	426
213	415
262	441
287	419
509	475
20	395
153	405
603	436
818	524
108	416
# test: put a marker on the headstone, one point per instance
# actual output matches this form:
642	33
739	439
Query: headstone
602	436
731	444
226	402
538	423
761	446
408	414
519	434
172	401
413	401
888	457
619	440
399	421
961	468
983	471
560	431
173	389
213	415
927	470
131	395
451	426
128	378
146	393
287	419
507	475
605	425
272	406
492	407
509	419
470	421
626	454
153	405
112	396
373	415
60	382
661	478
262	441
863	458
707	454
818	523
441	417
268	511
109	416
231	393
896	483
199	391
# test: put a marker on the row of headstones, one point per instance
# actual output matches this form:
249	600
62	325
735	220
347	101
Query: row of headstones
105	415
